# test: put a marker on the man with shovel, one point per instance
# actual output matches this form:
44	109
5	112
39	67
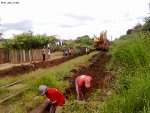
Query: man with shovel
56	98
82	84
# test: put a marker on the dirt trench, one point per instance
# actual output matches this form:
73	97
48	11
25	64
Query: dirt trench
96	69
18	70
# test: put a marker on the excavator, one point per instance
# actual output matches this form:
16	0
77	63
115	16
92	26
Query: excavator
102	43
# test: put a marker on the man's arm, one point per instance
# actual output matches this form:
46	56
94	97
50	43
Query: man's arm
77	89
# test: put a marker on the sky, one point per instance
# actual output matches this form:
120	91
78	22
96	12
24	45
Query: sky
69	19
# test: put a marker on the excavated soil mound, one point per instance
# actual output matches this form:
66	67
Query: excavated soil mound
95	69
17	70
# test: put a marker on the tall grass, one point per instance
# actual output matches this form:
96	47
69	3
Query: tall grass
131	61
92	105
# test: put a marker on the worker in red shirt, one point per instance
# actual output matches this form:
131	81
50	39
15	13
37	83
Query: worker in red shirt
55	97
82	83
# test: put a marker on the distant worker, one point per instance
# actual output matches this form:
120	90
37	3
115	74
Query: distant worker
69	51
49	53
87	50
66	53
43	52
82	84
56	98
78	52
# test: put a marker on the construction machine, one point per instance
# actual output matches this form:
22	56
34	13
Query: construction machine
101	43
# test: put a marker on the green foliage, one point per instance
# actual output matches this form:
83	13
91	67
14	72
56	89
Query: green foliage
84	40
1	45
92	105
53	40
70	44
129	31
131	52
146	26
29	41
137	28
79	43
131	62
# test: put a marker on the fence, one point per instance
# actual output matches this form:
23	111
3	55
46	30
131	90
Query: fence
21	56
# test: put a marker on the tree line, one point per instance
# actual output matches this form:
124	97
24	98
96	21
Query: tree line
139	27
29	41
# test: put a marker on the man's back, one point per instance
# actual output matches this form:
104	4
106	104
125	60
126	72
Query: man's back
56	96
83	79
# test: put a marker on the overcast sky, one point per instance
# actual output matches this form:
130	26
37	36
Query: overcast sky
70	19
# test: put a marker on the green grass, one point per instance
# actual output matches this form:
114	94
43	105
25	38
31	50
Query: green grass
52	77
92	105
131	63
8	80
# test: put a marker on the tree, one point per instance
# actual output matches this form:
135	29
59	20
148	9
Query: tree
27	41
137	27
84	40
146	26
130	31
53	39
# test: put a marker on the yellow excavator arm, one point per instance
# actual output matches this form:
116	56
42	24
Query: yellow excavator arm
101	43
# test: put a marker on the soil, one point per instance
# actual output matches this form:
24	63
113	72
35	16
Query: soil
96	69
21	69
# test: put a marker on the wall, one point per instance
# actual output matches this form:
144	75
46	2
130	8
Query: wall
21	56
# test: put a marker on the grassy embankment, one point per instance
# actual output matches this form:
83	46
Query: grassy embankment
131	92
131	61
51	77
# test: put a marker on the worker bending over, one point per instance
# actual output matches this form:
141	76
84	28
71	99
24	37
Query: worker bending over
56	98
82	84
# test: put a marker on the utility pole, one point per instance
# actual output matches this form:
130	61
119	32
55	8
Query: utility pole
111	38
149	8
0	29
